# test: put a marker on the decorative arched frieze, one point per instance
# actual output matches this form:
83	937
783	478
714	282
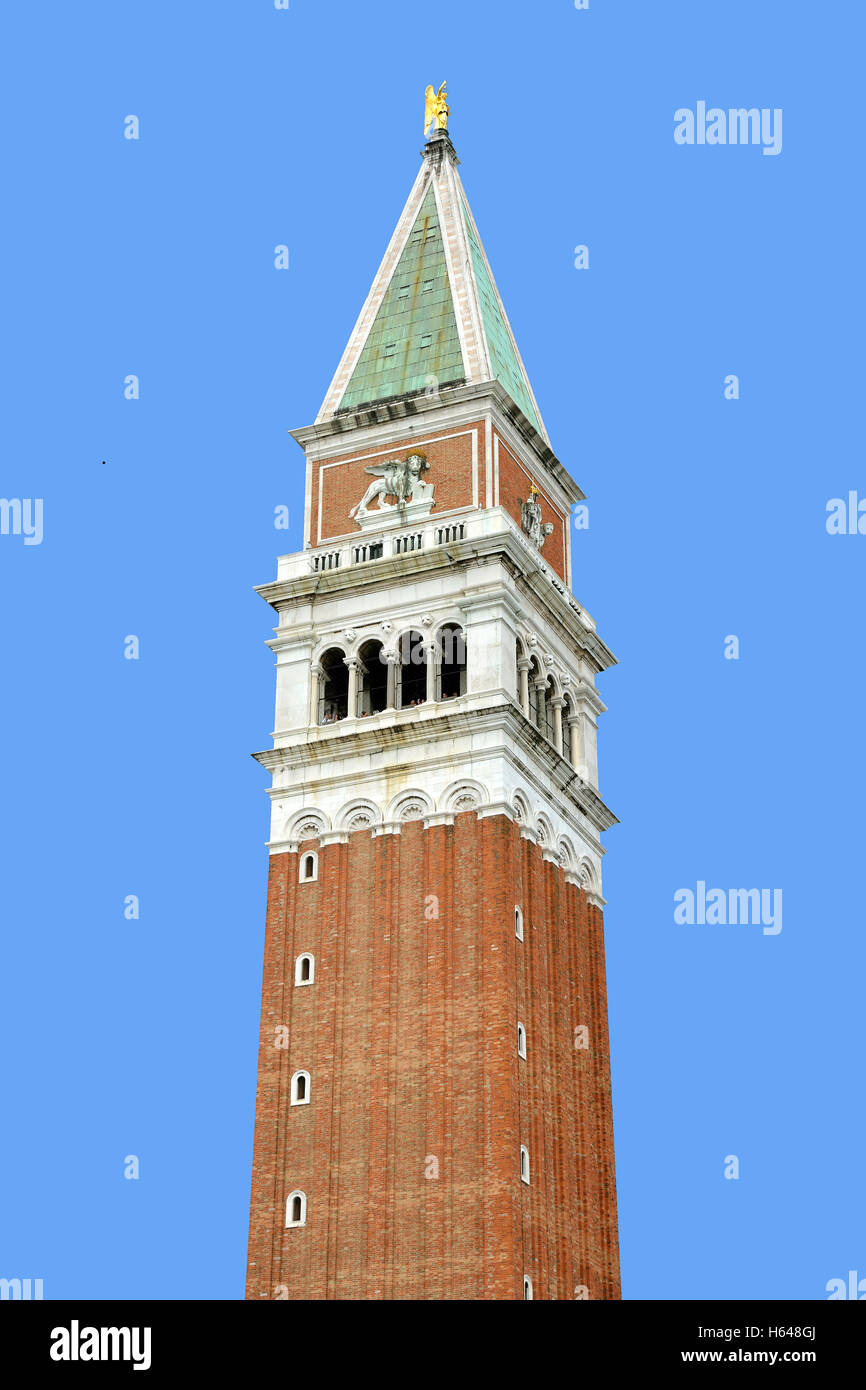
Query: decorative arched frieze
409	805
566	853
588	878
544	831
358	815
465	795
306	825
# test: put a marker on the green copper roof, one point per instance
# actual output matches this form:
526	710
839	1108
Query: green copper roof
414	335
504	362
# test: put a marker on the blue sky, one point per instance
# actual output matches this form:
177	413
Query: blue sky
707	518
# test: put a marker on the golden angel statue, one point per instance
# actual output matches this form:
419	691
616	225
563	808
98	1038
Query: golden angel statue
436	109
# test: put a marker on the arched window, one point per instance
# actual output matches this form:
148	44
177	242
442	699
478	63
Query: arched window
452	668
521	1040
305	969
411	670
527	1288
524	1163
518	924
301	1088
333	686
296	1208
309	869
373	680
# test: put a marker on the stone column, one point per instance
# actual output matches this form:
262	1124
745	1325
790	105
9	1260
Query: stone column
523	666
574	735
556	705
316	674
431	652
391	697
354	666
540	684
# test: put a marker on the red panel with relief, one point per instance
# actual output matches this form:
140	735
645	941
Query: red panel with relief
456	469
515	480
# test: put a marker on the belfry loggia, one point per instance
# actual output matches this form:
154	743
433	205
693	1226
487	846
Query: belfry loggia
433	1115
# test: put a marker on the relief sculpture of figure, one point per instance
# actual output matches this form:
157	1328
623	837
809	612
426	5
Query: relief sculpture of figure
397	478
530	519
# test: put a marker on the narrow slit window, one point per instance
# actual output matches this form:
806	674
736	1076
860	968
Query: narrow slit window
521	1041
518	924
296	1209
524	1163
309	868
301	1088
305	969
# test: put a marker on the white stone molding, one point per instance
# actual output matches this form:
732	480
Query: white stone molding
497	808
439	818
387	827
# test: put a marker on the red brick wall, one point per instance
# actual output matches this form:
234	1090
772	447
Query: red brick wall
410	1036
343	479
514	483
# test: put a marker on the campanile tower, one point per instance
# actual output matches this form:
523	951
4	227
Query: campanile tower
433	1115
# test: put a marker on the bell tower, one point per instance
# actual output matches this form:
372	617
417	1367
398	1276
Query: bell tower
433	1113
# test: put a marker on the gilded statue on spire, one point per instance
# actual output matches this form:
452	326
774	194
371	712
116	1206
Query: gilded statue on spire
436	109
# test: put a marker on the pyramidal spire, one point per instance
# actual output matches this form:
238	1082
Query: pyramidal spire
433	317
